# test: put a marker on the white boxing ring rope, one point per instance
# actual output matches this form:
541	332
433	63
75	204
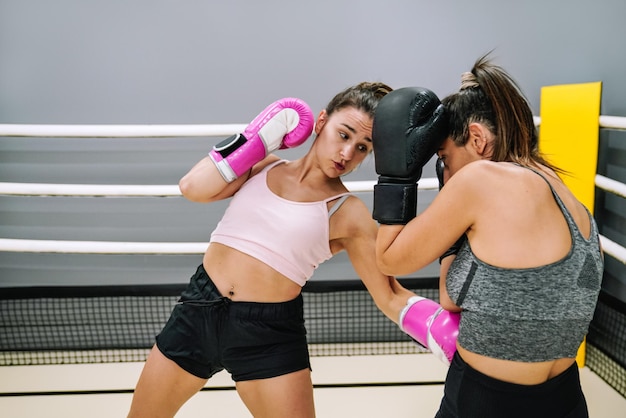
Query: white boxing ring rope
119	190
166	131
119	131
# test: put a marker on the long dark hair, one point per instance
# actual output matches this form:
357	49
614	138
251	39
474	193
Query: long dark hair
490	96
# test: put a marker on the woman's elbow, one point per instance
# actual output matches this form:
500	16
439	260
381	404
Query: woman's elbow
190	191
392	266
383	265
185	187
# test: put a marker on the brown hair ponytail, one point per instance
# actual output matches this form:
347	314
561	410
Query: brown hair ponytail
489	95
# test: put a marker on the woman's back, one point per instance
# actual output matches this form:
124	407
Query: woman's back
517	221
522	277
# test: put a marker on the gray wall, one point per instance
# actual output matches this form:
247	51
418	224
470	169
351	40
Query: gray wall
199	62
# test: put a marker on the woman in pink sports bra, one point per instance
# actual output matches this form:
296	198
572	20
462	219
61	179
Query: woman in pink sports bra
275	232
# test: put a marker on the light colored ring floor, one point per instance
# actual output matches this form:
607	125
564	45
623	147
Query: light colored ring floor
395	386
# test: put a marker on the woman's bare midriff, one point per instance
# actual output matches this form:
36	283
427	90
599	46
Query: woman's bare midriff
241	277
514	371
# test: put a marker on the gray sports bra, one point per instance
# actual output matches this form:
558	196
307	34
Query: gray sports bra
532	314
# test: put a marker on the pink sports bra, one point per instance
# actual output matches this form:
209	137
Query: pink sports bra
291	237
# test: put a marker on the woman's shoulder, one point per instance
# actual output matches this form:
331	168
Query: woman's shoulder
488	171
482	182
485	166
266	162
351	205
472	175
352	216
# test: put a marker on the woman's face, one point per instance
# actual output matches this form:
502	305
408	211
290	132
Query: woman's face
345	139
454	157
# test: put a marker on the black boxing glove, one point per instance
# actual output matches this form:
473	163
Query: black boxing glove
410	124
439	167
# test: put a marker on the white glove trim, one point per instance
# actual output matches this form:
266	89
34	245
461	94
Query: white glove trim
225	170
280	125
434	347
410	302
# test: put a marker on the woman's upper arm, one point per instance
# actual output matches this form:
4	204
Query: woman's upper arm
204	183
358	239
425	238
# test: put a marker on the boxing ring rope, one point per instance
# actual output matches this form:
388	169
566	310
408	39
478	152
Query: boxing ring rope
116	190
119	131
162	131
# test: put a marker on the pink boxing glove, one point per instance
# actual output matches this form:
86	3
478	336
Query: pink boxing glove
429	324
286	123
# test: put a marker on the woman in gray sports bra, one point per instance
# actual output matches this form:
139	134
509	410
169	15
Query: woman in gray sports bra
526	271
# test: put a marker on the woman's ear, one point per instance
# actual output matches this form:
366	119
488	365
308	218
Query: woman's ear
321	121
478	138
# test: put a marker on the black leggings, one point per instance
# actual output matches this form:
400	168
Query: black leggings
469	393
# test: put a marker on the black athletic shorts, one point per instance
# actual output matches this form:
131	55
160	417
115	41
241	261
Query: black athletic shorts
469	393
207	333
